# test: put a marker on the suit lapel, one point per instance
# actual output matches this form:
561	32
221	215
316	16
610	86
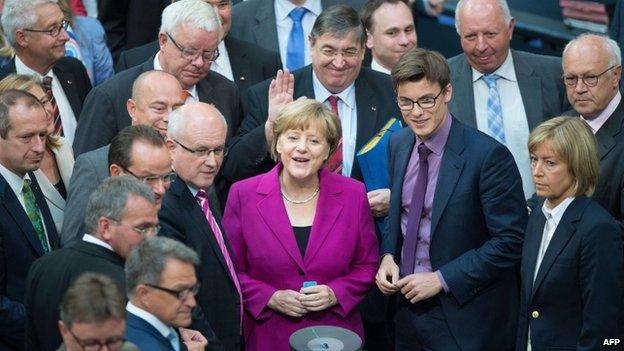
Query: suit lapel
53	237
450	169
239	62
530	89
531	248
277	219
66	78
610	129
328	209
265	29
463	94
366	102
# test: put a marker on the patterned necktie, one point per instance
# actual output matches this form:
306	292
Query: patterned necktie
32	210
296	42
202	197
56	116
185	95
494	109
174	339
415	211
334	164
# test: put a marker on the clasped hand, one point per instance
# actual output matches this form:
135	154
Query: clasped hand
415	287
299	303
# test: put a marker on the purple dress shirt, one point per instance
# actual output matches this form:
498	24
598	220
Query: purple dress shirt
435	143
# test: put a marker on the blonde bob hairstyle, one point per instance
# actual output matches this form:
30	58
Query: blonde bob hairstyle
301	114
25	82
572	140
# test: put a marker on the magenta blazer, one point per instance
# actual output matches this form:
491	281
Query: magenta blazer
342	253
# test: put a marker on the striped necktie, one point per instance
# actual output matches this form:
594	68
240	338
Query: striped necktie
494	109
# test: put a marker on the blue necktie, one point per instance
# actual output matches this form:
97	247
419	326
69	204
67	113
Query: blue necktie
494	109
174	339
296	43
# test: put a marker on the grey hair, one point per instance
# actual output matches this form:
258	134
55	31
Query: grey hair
180	117
502	5
195	13
339	21
109	199
20	14
148	261
611	46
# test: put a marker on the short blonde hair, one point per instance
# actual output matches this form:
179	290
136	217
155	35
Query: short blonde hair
299	115
25	82
572	140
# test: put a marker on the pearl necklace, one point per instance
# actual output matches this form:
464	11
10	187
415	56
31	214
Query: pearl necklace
298	202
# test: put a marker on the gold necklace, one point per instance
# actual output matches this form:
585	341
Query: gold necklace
298	202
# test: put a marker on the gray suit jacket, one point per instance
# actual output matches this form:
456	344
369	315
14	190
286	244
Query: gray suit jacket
90	170
254	21
541	87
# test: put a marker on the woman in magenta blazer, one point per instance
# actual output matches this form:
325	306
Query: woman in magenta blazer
300	223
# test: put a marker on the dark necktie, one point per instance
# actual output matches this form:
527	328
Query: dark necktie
334	164
56	116
415	212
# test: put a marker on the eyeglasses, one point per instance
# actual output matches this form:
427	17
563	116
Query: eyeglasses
112	344
219	151
54	31
427	102
193	54
347	53
178	294
153	180
590	80
144	230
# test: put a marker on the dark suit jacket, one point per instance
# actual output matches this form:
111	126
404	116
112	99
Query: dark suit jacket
617	25
539	78
575	301
254	21
250	63
90	170
249	155
477	224
72	76
182	219
19	248
50	277
145	336
105	113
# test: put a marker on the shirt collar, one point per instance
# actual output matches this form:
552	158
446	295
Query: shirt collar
321	93
375	66
505	71
15	181
96	241
149	318
597	122
21	68
437	140
557	212
283	8
157	67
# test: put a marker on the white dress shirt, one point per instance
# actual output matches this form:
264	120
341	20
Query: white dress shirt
68	119
222	64
161	327
598	121
192	97
514	117
375	66
96	241
347	110
284	24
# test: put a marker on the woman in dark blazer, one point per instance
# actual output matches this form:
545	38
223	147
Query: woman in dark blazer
303	237
572	260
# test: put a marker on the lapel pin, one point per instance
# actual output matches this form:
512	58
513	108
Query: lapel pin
70	82
241	78
373	108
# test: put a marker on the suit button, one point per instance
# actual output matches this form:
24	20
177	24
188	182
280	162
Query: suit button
300	271
534	314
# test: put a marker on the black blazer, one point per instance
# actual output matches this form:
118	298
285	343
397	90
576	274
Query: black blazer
72	76
182	219
250	63
105	112
50	277
575	301
249	155
19	248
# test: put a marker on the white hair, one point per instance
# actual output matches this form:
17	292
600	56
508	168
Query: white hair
180	117
611	47
502	4
20	14
195	13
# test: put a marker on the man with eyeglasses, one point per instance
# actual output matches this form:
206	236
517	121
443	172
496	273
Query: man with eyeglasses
161	284
507	92
592	69
36	30
154	95
121	213
456	222
93	316
190	213
239	61
188	39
